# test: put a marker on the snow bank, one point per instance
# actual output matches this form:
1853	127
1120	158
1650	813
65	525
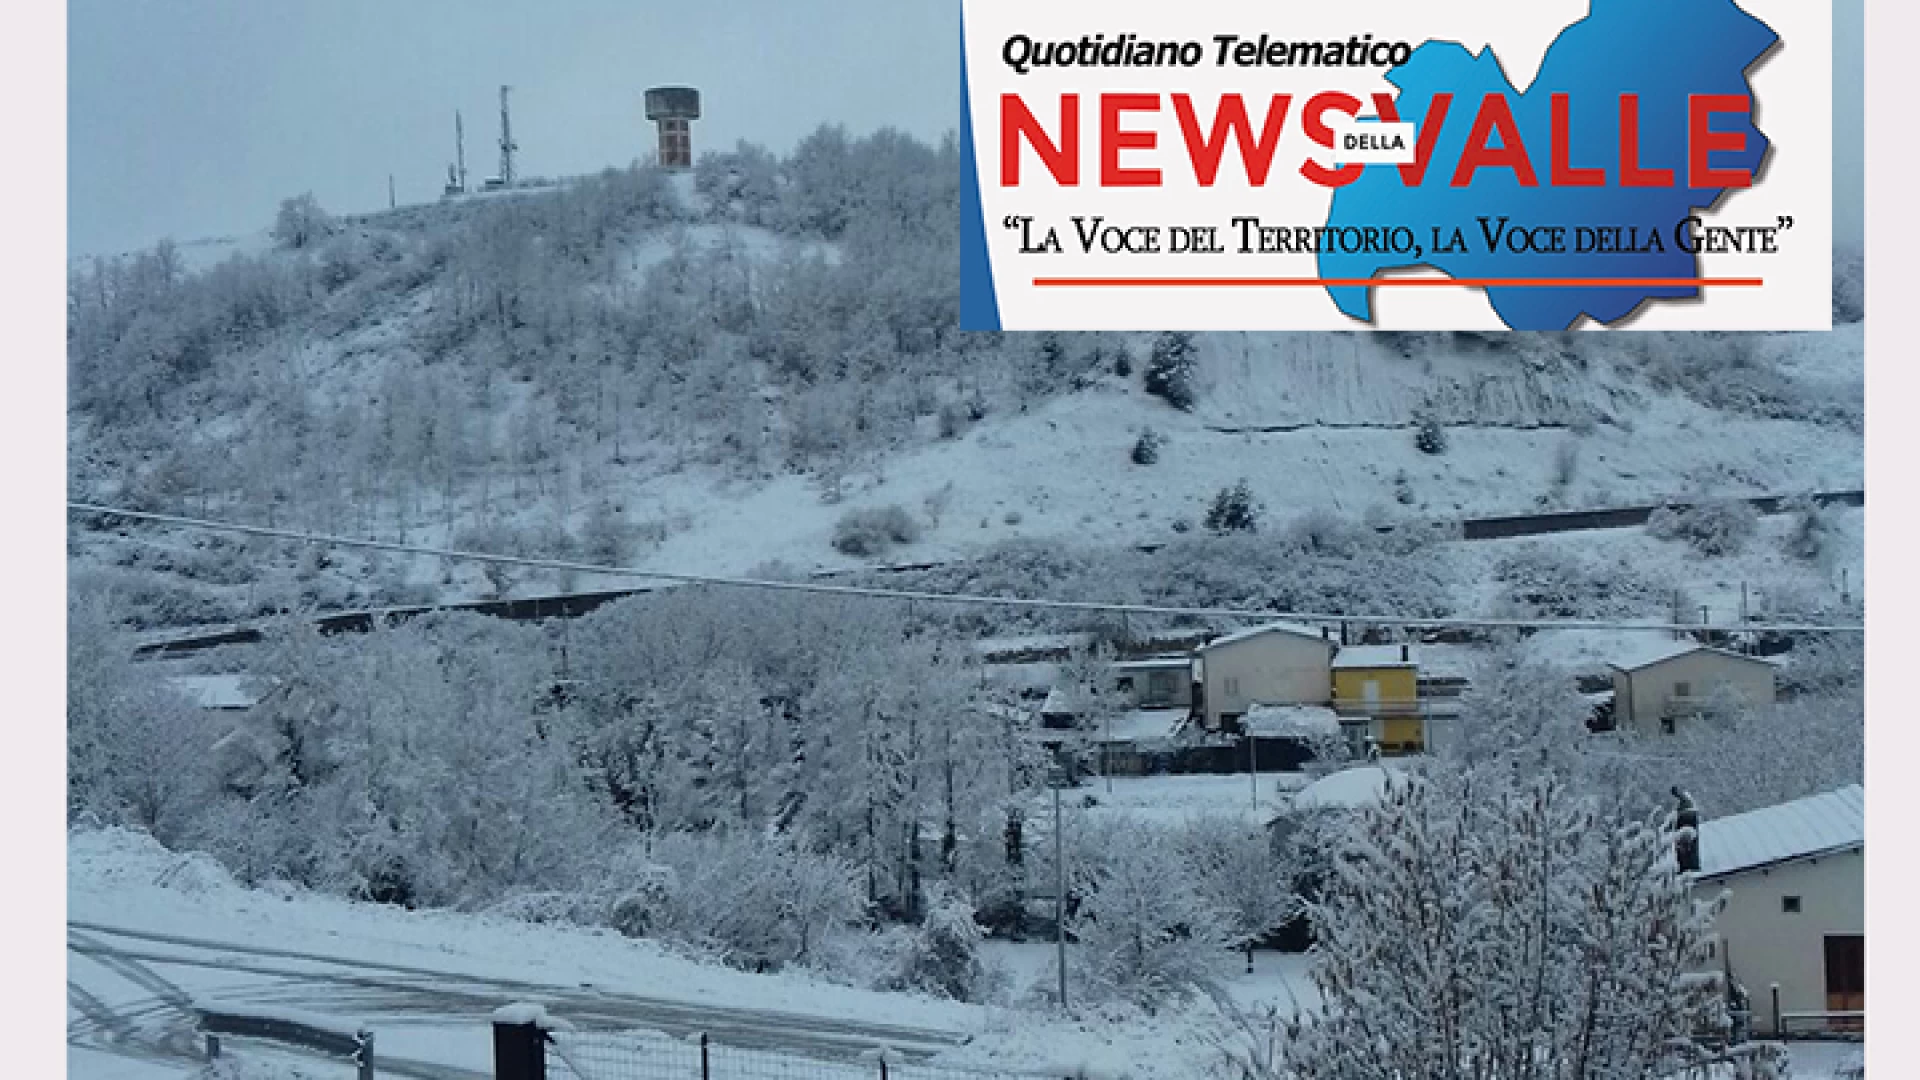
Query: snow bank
1348	789
116	858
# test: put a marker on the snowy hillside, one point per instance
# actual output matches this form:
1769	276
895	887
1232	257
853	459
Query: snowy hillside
709	372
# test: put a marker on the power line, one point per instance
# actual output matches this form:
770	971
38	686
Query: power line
972	599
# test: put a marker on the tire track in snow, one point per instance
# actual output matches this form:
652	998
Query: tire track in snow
410	990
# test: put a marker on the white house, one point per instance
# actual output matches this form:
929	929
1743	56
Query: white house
1796	908
1272	664
1156	682
1659	690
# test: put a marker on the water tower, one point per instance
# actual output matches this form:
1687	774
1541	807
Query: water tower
673	109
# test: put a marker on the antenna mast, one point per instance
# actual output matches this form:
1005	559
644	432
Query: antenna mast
459	152
507	145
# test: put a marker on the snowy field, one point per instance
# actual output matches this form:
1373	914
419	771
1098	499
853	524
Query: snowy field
148	928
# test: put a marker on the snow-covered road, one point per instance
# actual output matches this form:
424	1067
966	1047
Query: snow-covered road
428	1023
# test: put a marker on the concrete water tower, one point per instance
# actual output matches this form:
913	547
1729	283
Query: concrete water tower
673	109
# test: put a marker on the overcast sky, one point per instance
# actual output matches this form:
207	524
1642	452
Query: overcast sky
193	118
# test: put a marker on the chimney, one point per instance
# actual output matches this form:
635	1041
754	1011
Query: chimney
1686	845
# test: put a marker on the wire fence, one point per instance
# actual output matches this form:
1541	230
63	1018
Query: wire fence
602	1055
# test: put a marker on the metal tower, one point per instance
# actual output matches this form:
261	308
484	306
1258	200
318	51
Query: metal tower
507	145
459	151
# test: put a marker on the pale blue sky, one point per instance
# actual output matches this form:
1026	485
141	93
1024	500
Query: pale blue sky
193	118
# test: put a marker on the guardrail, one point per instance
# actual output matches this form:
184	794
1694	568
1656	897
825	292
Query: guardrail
324	1034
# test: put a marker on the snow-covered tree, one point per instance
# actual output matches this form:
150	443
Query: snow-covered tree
943	954
1170	370
1147	932
301	223
138	752
1489	924
1238	872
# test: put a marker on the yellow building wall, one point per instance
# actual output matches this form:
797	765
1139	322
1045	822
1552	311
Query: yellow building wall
1398	684
1397	722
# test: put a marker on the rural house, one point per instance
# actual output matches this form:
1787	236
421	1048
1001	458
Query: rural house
1160	682
1376	692
1272	664
1660	690
1796	914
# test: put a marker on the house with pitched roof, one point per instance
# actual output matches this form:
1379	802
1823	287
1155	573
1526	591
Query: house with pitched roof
1272	664
1671	684
1793	932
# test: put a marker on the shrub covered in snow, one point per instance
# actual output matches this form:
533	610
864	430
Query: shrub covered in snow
1146	449
874	531
1814	530
1428	436
1712	527
942	955
1545	578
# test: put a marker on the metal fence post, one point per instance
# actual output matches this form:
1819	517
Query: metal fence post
363	1054
519	1051
706	1065
1777	1031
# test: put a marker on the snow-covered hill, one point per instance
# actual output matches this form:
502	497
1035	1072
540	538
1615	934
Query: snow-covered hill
708	372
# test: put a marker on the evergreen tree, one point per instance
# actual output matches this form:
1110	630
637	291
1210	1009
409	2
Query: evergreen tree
1233	510
1170	370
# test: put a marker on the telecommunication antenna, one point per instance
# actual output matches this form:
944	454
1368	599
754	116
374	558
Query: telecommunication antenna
459	152
507	145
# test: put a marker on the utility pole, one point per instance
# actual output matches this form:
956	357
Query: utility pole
1055	779
1106	745
391	203
460	151
507	145
1253	764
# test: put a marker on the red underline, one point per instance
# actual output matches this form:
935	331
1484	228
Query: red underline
1399	283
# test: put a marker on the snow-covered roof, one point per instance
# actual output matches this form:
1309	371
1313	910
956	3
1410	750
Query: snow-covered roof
1832	821
1154	663
1283	721
1670	650
1348	789
1143	725
220	691
1264	628
1373	656
1064	701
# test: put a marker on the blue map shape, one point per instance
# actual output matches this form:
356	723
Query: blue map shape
1662	50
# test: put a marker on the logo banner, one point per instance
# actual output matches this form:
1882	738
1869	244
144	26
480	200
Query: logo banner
1397	165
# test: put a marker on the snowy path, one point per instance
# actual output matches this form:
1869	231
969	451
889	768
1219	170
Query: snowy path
172	969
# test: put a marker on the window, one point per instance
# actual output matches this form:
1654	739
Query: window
1160	686
1233	686
1790	905
1666	725
1683	689
676	144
